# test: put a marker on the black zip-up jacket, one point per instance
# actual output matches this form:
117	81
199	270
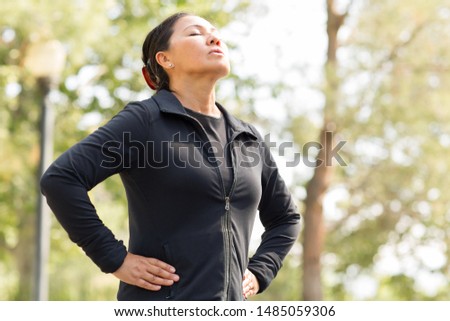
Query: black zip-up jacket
178	210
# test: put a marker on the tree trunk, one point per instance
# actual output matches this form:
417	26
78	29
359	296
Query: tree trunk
314	231
24	254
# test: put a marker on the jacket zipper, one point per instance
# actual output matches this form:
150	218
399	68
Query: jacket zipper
227	219
227	225
227	244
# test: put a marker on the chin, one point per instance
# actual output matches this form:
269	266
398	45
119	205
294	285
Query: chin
217	70
222	70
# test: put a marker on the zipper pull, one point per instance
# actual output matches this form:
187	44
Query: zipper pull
227	203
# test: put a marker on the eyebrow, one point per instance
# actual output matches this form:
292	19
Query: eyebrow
201	27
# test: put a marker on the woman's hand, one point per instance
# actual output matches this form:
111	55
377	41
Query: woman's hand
250	285
147	273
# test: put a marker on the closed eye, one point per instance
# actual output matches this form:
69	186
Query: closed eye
195	32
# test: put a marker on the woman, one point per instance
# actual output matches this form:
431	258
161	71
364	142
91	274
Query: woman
194	176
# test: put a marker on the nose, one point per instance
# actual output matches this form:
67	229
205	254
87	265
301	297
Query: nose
214	40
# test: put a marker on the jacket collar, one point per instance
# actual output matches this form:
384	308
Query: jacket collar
168	103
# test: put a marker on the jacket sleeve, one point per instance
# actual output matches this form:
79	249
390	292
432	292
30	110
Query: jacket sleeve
107	151
280	219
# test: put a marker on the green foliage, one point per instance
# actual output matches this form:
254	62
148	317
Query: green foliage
103	41
391	204
394	84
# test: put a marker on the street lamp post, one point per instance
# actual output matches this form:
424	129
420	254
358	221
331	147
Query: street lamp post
45	60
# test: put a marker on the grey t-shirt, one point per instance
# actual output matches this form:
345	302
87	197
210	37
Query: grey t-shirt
216	129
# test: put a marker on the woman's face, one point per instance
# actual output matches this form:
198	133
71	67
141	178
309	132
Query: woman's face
195	49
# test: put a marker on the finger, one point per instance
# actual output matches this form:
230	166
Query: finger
248	294
147	285
156	280
161	269
160	273
253	282
246	285
248	288
161	264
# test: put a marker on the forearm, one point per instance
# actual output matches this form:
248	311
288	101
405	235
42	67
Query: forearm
276	242
71	205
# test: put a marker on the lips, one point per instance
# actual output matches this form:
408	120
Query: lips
216	51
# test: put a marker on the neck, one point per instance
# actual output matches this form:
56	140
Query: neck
197	95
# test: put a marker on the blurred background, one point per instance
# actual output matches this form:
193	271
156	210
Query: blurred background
367	80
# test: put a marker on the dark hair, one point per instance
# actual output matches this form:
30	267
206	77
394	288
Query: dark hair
158	40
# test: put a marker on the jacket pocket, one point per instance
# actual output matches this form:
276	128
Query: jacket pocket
170	260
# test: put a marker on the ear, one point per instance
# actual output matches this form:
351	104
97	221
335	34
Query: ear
162	59
147	78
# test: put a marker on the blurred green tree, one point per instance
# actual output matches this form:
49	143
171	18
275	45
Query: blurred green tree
103	39
397	130
387	233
